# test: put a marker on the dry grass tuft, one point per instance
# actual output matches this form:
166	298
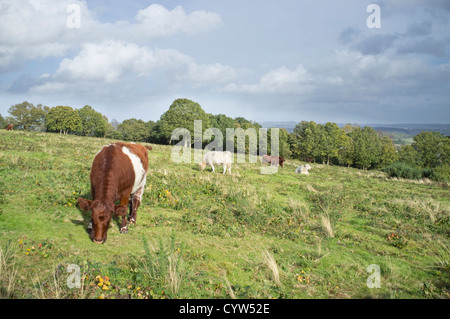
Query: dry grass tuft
311	189
298	208
8	272
271	263
326	223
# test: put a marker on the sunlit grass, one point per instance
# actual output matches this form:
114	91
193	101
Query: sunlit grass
205	235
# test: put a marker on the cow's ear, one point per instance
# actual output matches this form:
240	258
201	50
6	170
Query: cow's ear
121	210
84	204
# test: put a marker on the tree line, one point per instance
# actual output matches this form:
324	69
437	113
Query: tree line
351	145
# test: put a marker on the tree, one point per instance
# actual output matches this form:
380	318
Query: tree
2	122
246	132
28	116
388	153
367	147
63	119
307	137
222	122
346	152
181	114
134	130
332	139
151	127
408	155
285	150
432	149
93	123
347	128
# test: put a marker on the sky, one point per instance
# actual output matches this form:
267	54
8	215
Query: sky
286	60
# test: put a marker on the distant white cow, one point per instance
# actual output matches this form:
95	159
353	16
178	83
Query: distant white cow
216	157
303	169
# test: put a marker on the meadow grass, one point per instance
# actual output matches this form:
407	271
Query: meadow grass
205	235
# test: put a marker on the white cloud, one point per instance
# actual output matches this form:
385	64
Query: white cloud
115	61
49	87
207	73
280	80
39	28
157	21
34	29
350	77
109	61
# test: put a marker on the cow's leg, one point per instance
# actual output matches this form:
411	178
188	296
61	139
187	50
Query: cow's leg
89	228
124	225
224	168
121	210
229	168
212	166
135	202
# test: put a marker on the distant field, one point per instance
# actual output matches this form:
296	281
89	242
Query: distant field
205	235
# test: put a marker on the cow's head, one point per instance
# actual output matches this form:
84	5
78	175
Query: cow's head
281	160
202	165
101	217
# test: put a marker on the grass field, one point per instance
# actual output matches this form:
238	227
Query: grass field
205	235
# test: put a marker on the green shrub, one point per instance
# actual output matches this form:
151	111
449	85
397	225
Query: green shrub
403	170
441	173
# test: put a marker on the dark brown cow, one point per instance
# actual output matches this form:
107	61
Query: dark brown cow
118	173
10	127
274	160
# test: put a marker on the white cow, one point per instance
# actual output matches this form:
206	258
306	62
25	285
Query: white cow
303	169
216	157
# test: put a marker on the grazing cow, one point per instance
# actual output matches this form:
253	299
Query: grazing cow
118	173
10	127
274	160
216	157
303	169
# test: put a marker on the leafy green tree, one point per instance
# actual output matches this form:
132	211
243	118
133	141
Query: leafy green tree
347	128
28	116
388	153
245	132
63	119
134	130
408	155
181	114
307	137
346	152
294	146
2	121
331	141
92	122
433	149
284	148
367	147
244	123
109	130
222	122
151	127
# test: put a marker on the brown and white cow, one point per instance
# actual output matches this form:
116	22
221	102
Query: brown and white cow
118	173
274	160
10	127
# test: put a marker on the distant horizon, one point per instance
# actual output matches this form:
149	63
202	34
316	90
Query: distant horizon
358	123
250	119
409	128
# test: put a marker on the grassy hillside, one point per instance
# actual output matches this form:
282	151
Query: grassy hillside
205	235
